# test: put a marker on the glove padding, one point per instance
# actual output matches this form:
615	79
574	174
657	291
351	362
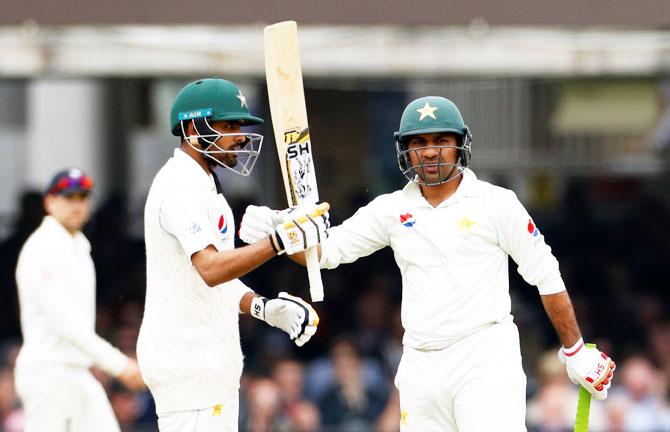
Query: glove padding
288	313
588	367
259	222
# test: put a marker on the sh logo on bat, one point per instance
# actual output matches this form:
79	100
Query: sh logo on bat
299	163
297	142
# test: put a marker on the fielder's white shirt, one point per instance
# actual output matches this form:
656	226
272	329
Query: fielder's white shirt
189	343
56	285
452	258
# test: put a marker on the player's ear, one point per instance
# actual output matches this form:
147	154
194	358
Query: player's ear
190	138
48	202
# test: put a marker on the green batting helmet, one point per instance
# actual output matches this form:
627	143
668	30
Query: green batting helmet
212	98
427	115
431	114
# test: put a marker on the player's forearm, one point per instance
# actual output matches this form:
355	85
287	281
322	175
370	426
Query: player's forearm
245	302
559	309
218	267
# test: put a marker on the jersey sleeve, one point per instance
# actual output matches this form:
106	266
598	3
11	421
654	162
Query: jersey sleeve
359	236
523	241
52	298
238	290
184	215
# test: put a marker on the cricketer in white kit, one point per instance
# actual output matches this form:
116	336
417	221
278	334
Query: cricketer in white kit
189	343
451	235
56	284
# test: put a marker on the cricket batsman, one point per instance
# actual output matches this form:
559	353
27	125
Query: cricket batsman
189	343
451	235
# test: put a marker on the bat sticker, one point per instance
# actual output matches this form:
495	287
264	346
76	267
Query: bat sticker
299	164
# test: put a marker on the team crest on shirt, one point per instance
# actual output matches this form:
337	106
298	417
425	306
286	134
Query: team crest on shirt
532	229
465	227
407	220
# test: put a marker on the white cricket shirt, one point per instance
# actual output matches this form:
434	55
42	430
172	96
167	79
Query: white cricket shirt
189	343
56	285
452	258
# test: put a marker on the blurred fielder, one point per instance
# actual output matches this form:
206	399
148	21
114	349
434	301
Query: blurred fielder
56	283
189	342
451	235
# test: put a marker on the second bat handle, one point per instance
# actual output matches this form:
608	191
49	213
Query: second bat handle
314	274
583	405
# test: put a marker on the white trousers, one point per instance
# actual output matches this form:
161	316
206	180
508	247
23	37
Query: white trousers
219	418
73	401
477	384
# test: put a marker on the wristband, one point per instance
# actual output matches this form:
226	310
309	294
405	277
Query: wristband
277	244
258	308
569	352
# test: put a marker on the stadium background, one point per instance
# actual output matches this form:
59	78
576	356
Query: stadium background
569	103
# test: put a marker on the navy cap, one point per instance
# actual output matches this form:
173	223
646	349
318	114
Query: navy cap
70	181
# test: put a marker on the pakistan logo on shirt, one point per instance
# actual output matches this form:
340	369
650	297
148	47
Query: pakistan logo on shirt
465	227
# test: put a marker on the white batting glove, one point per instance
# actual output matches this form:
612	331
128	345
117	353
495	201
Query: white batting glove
588	367
259	222
288	313
304	228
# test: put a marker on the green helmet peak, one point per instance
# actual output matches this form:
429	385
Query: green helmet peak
213	98
430	115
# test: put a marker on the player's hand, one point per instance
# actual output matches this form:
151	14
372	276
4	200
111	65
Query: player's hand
288	313
589	367
303	228
130	376
258	223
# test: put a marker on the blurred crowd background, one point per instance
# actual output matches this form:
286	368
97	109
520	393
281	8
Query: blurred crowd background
569	106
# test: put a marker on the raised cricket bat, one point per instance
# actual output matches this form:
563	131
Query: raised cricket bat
286	95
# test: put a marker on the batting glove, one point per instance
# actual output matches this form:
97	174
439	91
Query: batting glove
305	227
258	223
288	313
589	367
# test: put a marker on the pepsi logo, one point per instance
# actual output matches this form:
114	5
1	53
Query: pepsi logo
223	225
407	220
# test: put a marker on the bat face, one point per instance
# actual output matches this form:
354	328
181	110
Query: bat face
289	120
300	166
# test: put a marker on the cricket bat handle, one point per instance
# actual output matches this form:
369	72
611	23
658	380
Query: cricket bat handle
314	274
319	211
312	257
583	405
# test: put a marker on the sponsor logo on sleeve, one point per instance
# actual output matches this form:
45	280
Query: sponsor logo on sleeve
223	225
532	229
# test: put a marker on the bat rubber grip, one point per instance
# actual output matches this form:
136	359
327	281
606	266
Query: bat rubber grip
583	405
314	274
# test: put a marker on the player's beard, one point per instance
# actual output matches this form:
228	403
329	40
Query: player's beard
227	159
434	173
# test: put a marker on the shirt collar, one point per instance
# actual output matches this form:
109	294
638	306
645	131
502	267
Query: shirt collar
467	188
77	241
194	170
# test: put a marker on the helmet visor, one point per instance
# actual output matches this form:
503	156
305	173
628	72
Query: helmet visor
430	171
240	157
